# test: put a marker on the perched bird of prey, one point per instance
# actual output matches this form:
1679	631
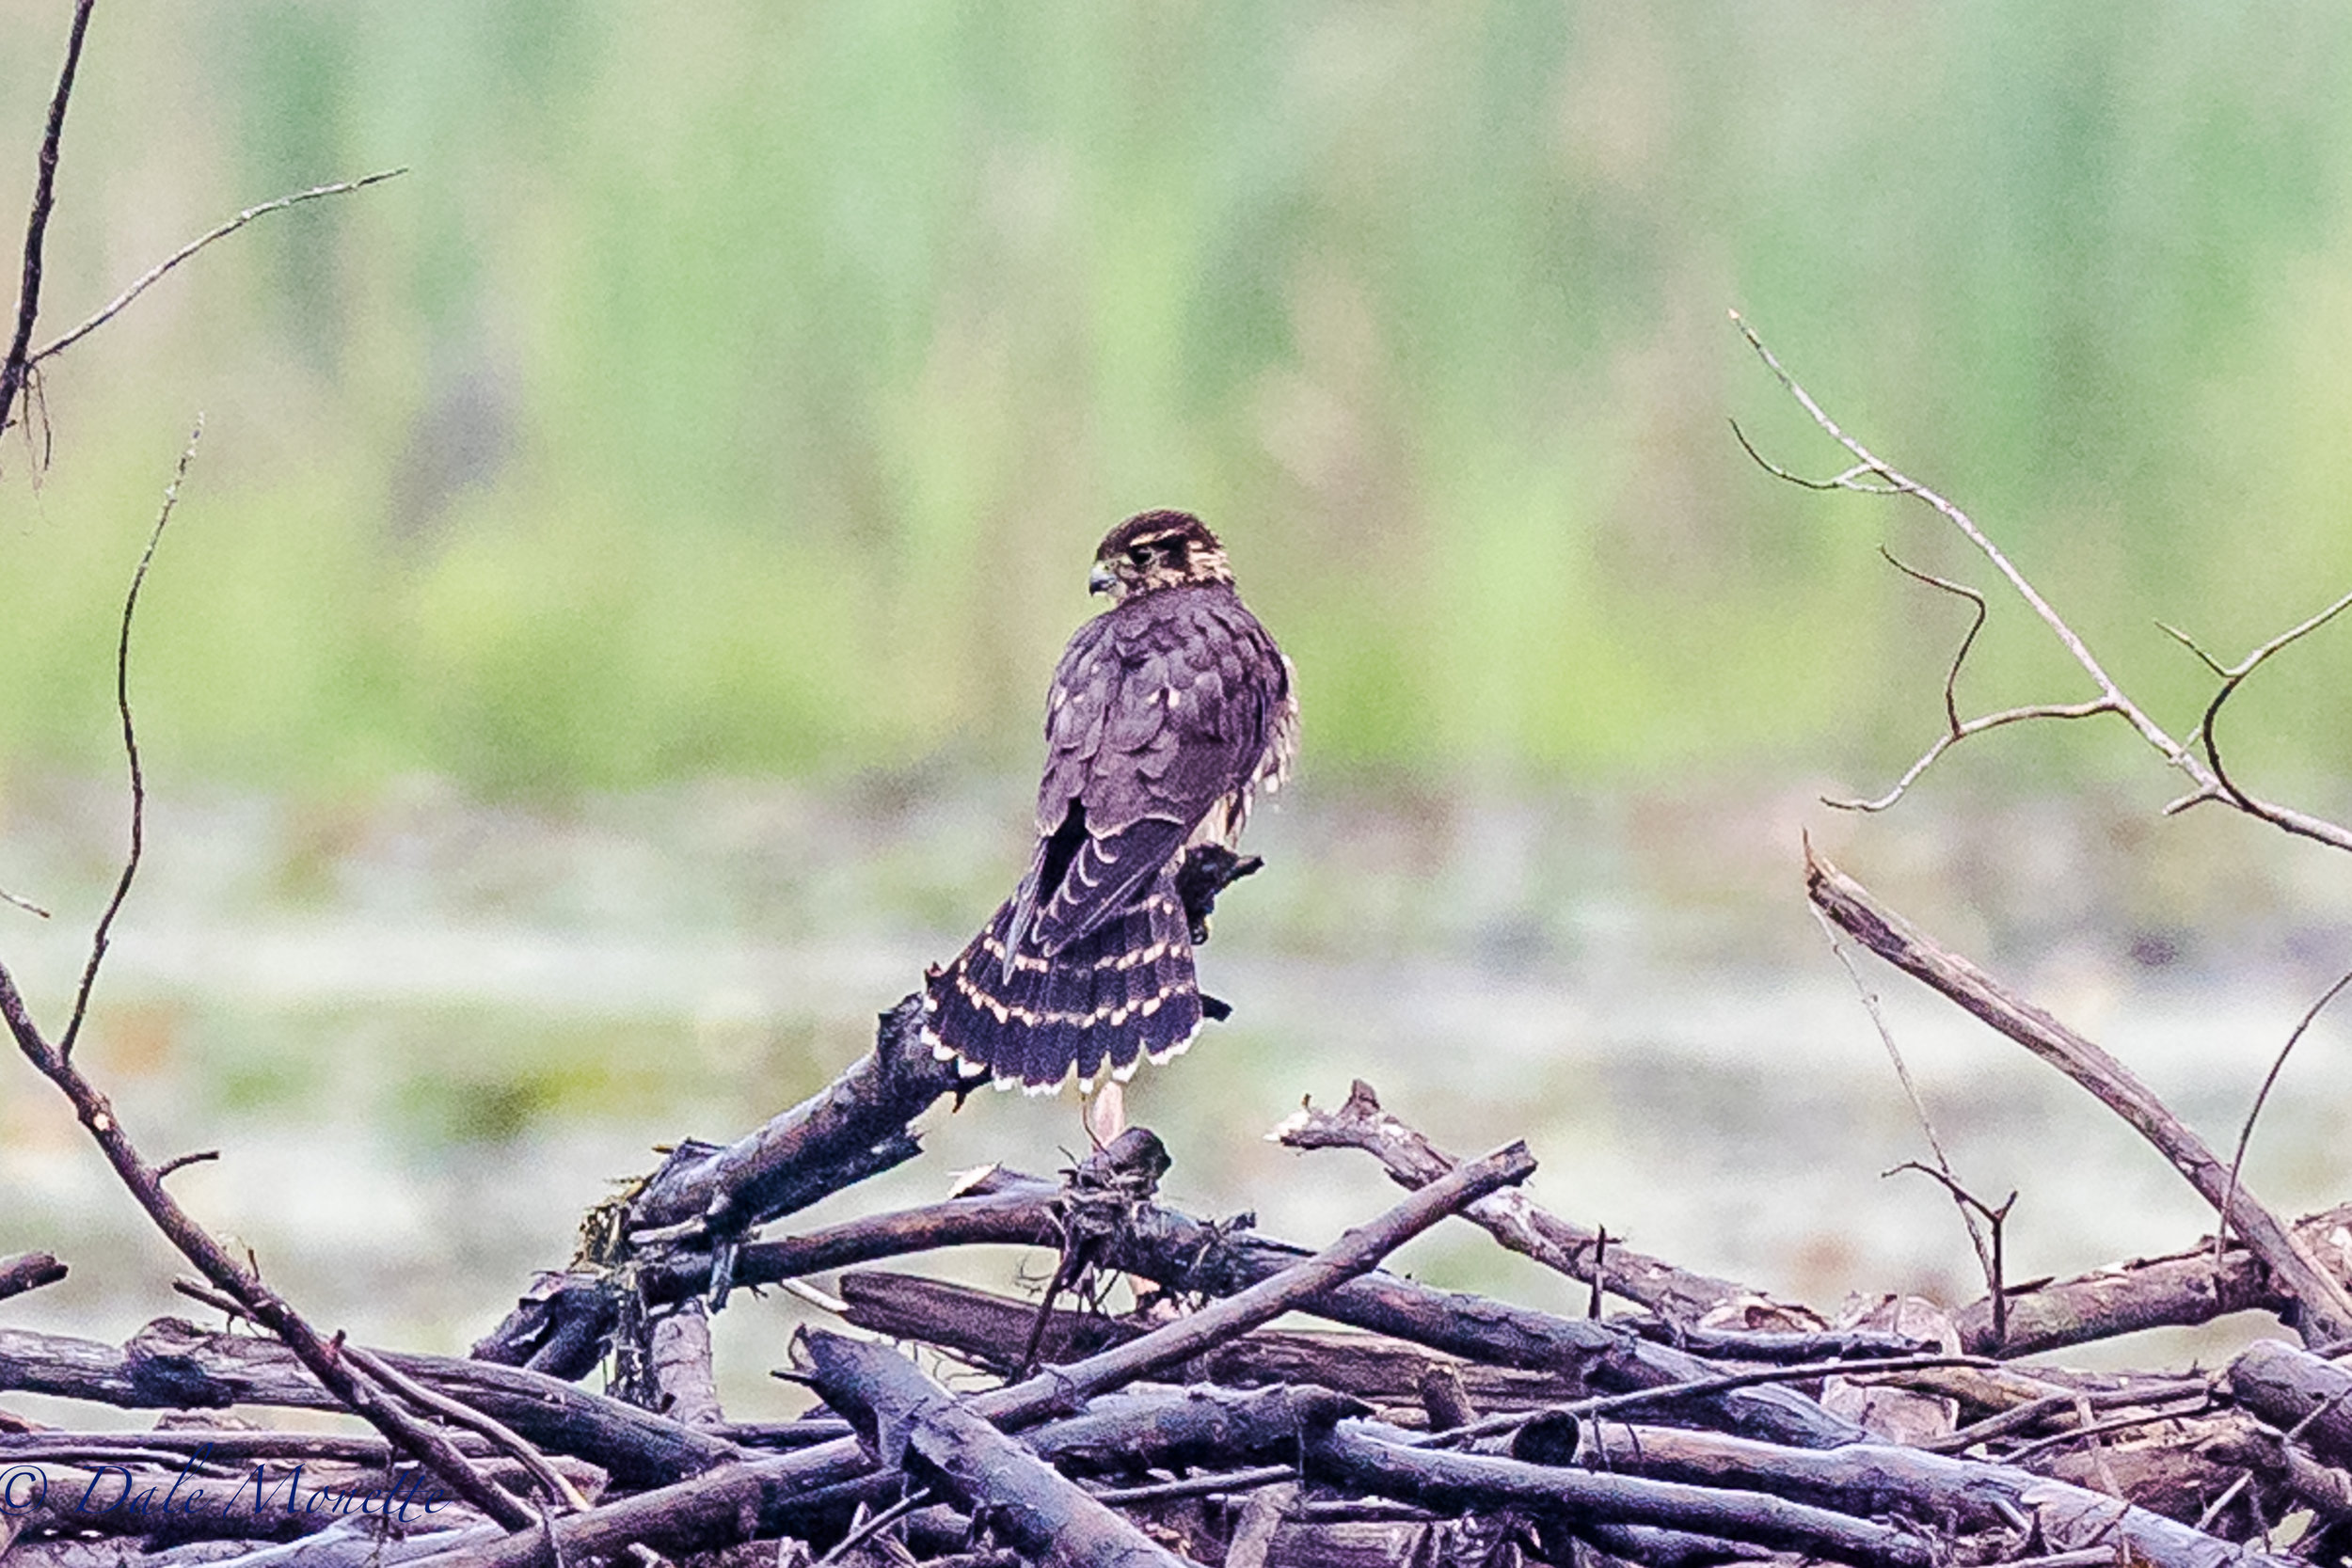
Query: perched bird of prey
1166	714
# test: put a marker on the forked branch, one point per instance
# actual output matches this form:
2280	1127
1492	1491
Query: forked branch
20	369
2233	677
328	1361
1873	476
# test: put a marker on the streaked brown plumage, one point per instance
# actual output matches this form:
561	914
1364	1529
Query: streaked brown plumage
1166	714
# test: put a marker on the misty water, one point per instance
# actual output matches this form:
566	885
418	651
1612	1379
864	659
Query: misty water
427	1033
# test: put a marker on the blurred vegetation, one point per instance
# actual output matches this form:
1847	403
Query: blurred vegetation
741	388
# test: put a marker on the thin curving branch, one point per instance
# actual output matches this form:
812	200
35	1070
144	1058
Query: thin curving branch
131	751
154	275
1871	475
2262	1095
1968	638
17	366
2233	677
1946	741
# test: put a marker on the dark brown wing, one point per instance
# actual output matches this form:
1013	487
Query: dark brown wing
1160	710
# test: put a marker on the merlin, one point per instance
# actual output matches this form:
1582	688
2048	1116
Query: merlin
1168	713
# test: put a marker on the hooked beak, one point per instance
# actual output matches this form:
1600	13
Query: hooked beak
1100	581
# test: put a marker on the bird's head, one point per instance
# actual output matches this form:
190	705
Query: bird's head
1153	550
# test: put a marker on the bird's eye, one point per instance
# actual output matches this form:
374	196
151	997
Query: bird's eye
1139	555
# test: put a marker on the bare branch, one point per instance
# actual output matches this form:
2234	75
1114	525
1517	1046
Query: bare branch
1756	1377
1968	640
182	1162
15	368
2234	676
1942	1171
1515	1220
1995	1219
221	231
1849	480
2245	1132
28	1271
457	1412
1870	475
1903	485
326	1361
130	750
1974	726
25	904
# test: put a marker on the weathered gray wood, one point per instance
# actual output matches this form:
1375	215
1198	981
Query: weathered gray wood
988	1330
1878	1479
1352	1455
2291	1389
172	1365
730	1502
907	1419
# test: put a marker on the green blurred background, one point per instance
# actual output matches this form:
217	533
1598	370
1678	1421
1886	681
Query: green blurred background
741	387
599	655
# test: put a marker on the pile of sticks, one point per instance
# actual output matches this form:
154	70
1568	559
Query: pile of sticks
1700	1423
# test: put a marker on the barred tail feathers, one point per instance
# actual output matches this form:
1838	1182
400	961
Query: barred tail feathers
1122	992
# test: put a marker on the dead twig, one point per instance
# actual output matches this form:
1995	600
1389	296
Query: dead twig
2100	1428
2253	1113
2233	677
155	274
1985	1259
25	904
868	1529
1609	1404
1995	1220
131	751
28	1271
1956	729
457	1413
325	1361
1512	1218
